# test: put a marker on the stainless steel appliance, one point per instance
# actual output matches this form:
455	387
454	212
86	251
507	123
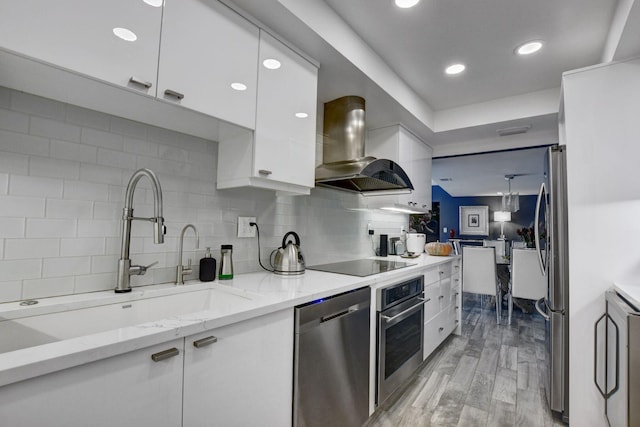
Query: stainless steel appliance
331	361
345	166
400	313
551	237
360	267
288	259
617	367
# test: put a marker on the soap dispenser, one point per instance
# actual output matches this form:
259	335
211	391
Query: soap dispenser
207	267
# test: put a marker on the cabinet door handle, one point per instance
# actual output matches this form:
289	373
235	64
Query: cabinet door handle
440	329
173	93
137	81
166	354
203	342
264	172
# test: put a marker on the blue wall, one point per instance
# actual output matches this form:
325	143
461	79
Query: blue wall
449	214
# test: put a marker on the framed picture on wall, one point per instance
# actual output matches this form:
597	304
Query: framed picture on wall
474	220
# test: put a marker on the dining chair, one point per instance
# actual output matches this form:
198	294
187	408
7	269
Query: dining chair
527	280
500	246
479	273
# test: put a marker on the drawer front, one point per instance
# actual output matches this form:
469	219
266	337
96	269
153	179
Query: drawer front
432	306
437	329
444	270
431	275
446	293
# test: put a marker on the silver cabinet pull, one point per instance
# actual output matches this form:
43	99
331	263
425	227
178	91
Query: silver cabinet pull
203	342
166	354
413	307
137	81
264	172
173	93
440	329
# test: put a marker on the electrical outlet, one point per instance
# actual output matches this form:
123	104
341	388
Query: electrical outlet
244	229
369	229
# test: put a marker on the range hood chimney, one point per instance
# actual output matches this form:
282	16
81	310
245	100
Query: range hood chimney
345	166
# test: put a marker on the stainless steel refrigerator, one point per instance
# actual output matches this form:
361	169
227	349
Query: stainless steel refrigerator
552	244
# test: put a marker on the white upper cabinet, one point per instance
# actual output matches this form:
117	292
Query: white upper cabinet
206	48
79	35
414	156
280	155
286	115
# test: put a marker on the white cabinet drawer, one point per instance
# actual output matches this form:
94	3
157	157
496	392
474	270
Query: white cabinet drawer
432	304
435	331
431	276
446	293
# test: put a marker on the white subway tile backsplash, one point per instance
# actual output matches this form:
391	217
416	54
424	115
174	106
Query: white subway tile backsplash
107	210
14	163
95	282
140	147
66	266
116	158
53	168
78	190
23	144
12	227
37	227
57	208
98	228
104	263
38	106
169	152
129	128
4	183
72	151
11	291
54	129
20	185
82	246
103	139
14	121
100	174
16	206
20	269
113	246
88	118
31	248
49	287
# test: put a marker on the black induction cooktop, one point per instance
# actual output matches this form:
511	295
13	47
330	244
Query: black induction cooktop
360	267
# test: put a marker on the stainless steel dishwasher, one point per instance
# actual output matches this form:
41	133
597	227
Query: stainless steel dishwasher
331	364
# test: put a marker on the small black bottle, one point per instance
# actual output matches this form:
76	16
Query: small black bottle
207	267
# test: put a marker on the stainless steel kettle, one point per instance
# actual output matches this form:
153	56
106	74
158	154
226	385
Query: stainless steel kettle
288	259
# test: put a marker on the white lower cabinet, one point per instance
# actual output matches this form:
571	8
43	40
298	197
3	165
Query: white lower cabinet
442	302
241	374
126	390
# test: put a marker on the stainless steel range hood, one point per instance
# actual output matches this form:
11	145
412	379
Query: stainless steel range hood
344	165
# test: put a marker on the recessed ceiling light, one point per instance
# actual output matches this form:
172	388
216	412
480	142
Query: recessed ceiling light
154	3
455	69
529	48
302	115
272	64
238	86
125	34
406	3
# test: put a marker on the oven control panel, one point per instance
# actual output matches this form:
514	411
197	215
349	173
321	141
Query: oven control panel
399	292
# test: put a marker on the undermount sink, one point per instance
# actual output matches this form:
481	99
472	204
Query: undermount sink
42	329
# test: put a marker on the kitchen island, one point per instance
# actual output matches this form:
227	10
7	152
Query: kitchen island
246	304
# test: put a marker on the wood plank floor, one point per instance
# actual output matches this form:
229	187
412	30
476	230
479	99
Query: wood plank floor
491	375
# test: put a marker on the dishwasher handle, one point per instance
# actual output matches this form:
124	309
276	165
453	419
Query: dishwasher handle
339	314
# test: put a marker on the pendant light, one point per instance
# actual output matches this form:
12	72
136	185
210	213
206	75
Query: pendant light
510	201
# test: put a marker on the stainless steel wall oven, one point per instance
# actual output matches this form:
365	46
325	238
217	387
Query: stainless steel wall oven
400	312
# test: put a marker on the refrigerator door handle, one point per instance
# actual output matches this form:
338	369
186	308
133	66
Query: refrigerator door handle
542	312
541	200
617	383
595	358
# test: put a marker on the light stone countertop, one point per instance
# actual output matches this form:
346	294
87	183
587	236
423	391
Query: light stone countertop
265	293
630	291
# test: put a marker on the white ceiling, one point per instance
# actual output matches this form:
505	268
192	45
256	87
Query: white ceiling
418	43
484	174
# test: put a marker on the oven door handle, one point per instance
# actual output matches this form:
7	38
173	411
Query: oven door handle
403	312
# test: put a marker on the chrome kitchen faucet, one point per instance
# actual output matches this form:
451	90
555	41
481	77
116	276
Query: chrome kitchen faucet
125	269
181	270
